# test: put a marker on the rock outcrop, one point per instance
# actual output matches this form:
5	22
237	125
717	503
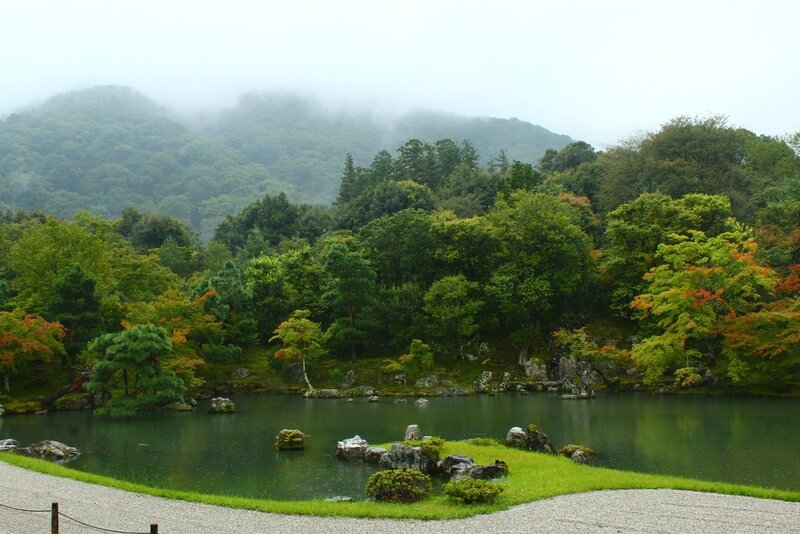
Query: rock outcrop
413	433
405	457
531	439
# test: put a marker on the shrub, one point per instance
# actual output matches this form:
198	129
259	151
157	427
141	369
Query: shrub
431	447
473	491
398	485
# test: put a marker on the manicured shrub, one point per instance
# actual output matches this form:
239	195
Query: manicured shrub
398	485
473	491
431	447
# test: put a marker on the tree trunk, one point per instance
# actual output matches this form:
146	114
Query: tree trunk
6	386
352	343
125	380
69	388
305	376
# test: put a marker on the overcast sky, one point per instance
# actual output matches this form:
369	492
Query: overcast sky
596	70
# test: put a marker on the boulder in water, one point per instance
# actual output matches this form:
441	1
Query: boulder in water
352	448
222	405
290	439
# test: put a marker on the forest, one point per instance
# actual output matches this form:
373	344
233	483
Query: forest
677	252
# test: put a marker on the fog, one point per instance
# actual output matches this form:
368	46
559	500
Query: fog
598	71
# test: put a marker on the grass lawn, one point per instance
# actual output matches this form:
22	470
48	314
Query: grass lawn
532	476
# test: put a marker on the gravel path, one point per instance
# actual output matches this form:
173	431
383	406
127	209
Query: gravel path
602	511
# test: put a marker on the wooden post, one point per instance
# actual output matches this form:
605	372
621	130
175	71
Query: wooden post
154	528
54	519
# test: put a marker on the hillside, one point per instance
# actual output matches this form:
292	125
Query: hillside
304	143
109	147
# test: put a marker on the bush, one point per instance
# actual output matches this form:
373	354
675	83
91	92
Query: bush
398	485
431	447
473	491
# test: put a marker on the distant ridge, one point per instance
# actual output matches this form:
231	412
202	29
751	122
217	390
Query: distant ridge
107	147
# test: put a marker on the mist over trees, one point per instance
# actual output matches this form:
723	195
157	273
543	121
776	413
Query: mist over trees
684	243
107	148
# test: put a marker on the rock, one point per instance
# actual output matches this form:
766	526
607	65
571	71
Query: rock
484	350
399	378
487	472
290	439
339	498
470	357
400	401
569	396
350	399
402	456
413	433
294	373
222	405
567	367
352	448
2	410
373	454
579	457
447	383
448	462
178	407
427	382
331	393
482	382
374	398
51	450
535	369
349	379
552	389
421	402
515	437
192	402
9	445
534	440
569	450
240	373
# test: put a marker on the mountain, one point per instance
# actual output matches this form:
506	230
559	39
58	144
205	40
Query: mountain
300	141
109	147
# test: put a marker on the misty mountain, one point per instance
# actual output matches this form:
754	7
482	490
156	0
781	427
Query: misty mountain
109	147
302	142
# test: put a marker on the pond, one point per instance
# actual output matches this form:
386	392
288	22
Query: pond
741	440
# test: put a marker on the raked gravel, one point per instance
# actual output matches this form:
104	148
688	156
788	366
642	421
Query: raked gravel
601	511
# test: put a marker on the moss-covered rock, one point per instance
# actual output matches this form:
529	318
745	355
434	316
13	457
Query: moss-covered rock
288	440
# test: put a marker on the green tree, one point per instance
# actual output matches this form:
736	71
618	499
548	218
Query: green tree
136	357
452	304
76	307
302	339
350	295
543	262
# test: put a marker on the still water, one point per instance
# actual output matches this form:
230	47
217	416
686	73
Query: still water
750	441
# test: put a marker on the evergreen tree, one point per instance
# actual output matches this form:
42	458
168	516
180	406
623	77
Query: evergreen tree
75	305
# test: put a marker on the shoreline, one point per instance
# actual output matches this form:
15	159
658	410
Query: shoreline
600	511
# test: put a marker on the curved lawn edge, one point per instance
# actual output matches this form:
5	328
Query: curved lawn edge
532	476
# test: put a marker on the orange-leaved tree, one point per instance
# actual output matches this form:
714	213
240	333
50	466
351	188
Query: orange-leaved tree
25	337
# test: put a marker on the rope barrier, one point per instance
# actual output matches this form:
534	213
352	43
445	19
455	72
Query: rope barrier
62	514
55	513
24	509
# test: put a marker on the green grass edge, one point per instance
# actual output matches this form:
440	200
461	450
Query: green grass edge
532	476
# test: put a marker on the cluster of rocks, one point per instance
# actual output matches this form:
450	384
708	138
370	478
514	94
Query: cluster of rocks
414	457
54	451
534	439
